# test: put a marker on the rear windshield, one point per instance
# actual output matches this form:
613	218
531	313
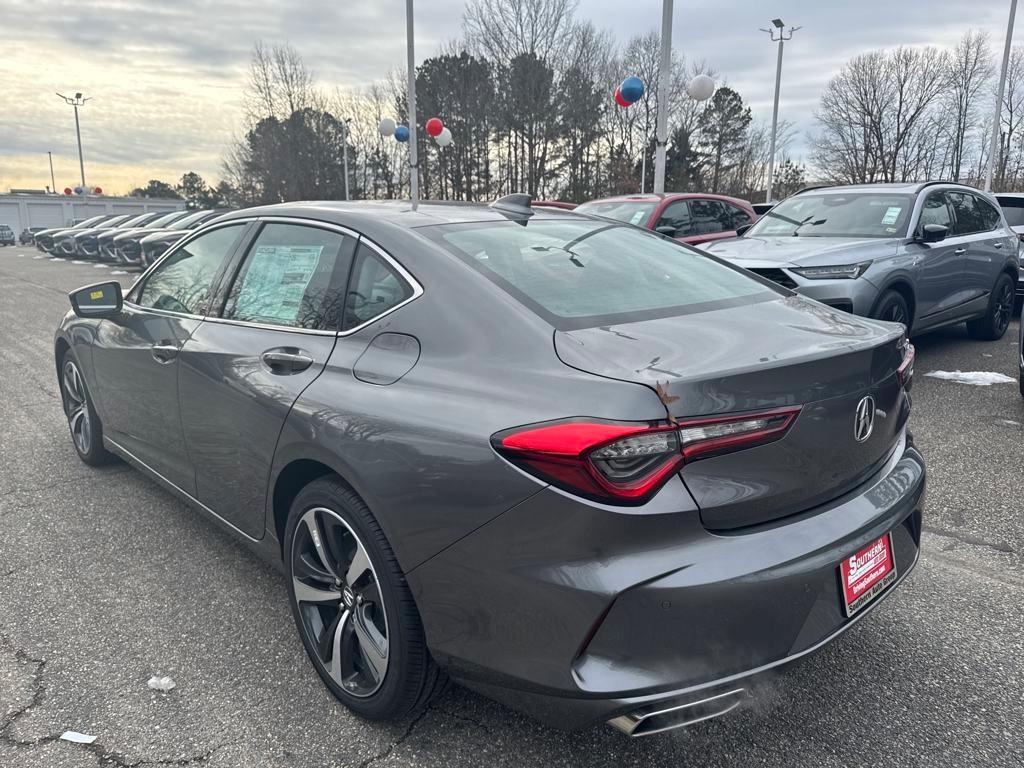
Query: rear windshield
629	211
1013	210
579	274
837	215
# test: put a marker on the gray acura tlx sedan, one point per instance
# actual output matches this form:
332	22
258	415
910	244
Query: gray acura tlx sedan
592	473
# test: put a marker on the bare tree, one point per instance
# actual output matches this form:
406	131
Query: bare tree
279	83
501	30
874	112
969	70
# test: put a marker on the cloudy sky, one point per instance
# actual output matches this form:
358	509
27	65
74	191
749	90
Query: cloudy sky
166	78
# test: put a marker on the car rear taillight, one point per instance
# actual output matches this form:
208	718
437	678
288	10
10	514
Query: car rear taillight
905	373
626	463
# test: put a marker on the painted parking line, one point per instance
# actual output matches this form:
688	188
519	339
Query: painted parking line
99	266
119	272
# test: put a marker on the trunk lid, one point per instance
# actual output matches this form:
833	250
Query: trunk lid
767	354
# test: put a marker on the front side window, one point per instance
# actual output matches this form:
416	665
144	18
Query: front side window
579	274
936	211
677	216
184	281
837	214
293	276
709	217
375	288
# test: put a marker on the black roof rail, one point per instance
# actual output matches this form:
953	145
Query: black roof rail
811	188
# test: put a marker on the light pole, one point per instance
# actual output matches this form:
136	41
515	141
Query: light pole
77	102
414	181
999	98
53	184
344	150
664	83
778	35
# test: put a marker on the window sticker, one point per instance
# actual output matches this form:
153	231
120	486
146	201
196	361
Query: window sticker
275	283
892	214
637	217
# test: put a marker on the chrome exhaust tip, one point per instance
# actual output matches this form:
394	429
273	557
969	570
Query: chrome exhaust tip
667	715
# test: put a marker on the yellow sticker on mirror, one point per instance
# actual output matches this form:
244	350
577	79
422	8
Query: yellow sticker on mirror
95	294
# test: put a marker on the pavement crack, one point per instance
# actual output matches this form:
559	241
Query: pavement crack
38	695
967	538
397	742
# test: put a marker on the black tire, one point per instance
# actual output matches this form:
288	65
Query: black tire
83	422
411	677
892	306
993	324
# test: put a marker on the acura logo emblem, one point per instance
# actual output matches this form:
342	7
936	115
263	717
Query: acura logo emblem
864	419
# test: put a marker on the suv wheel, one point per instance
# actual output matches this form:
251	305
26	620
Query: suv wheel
993	324
354	611
893	307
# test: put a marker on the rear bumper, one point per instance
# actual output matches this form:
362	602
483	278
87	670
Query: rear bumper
560	610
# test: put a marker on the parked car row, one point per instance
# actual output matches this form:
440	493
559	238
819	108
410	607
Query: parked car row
124	239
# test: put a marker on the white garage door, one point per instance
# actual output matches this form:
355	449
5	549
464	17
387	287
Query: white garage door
43	215
129	208
9	215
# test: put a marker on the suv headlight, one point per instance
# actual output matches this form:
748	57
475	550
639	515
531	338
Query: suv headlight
838	271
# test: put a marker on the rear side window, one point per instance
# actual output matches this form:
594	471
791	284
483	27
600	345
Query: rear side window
376	287
292	276
989	214
578	274
677	216
969	216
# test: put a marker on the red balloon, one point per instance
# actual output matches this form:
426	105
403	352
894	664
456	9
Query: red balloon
98	191
67	190
619	100
435	126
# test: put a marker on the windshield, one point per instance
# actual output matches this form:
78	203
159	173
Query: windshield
630	211
837	215
580	273
139	220
114	222
192	221
89	222
166	219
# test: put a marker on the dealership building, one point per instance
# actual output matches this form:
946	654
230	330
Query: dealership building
26	208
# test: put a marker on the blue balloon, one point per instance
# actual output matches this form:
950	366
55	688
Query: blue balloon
401	133
632	88
78	190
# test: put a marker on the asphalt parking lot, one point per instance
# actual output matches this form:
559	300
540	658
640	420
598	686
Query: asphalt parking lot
105	580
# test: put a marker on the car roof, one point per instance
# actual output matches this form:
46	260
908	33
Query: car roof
398	213
655	197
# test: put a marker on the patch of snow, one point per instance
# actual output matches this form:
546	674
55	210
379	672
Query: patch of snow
978	378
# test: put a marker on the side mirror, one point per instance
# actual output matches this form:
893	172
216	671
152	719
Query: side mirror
933	233
99	300
742	229
666	229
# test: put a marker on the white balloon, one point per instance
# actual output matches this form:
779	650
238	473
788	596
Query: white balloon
444	138
387	127
701	88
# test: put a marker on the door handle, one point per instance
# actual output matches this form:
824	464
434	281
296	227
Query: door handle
960	251
165	352
284	361
997	244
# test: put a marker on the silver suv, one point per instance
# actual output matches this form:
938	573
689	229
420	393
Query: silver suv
925	255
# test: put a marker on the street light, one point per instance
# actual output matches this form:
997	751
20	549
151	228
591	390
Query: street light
700	88
76	102
345	122
999	98
414	181
780	36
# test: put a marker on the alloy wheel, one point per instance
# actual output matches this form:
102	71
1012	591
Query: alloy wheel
896	313
76	407
339	599
1004	307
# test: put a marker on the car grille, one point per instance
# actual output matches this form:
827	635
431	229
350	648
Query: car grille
776	276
